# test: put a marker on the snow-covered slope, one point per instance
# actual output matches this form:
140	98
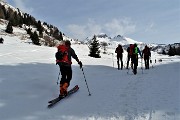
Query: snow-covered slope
28	77
124	40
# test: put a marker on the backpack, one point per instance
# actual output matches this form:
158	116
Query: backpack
146	51
135	51
59	55
62	54
131	49
119	49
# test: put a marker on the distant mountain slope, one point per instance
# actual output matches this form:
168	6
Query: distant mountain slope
48	34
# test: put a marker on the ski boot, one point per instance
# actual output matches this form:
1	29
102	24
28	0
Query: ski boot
135	71
63	90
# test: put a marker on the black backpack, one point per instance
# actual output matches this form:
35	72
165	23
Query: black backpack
59	55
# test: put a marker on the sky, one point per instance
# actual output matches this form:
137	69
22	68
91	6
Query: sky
149	21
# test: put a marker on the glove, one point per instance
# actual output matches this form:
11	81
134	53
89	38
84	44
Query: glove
80	64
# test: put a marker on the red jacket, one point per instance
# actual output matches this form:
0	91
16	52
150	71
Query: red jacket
68	53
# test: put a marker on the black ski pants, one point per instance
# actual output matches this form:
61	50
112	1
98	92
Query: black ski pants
135	62
128	59
119	57
66	74
146	60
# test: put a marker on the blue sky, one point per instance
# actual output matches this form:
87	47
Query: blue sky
149	21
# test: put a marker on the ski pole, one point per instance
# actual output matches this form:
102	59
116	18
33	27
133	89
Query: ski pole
58	78
113	59
151	64
127	60
86	81
142	65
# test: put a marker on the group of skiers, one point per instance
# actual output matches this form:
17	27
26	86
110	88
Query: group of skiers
65	53
132	55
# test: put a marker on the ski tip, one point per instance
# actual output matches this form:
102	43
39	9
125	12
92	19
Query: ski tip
77	86
49	106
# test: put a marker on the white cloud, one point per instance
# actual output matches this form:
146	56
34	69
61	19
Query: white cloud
76	31
21	5
120	26
150	27
112	28
83	31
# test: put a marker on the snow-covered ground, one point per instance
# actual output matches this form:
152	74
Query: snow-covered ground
28	77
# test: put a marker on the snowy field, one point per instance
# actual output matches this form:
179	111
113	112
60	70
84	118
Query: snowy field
28	77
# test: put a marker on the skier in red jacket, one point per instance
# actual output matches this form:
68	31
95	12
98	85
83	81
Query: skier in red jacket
65	66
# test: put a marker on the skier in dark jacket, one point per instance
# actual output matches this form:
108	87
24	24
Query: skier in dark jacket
146	55
65	67
119	51
135	58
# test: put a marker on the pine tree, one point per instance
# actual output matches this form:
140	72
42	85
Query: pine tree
9	28
2	13
174	51
56	34
35	39
94	48
178	51
170	52
39	27
60	36
163	52
29	31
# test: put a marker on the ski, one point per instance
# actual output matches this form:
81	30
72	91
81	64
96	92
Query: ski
56	100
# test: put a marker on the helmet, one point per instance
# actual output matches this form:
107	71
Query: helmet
67	42
135	45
